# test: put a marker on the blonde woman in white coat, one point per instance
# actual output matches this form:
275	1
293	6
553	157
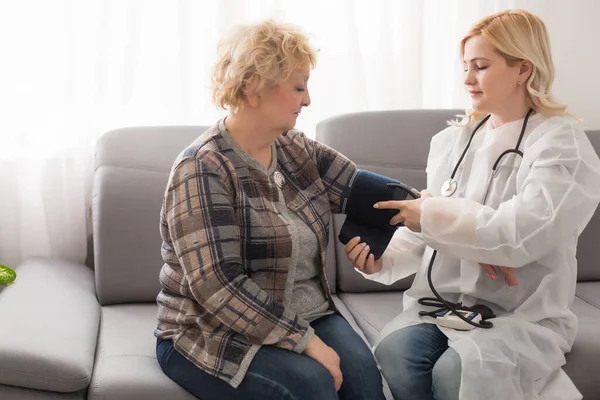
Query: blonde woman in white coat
528	216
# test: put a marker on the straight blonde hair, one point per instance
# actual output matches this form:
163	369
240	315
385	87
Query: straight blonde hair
518	35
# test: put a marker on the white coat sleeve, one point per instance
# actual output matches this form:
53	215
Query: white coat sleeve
401	258
553	204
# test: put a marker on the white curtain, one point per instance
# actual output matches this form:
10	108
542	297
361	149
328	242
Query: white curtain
73	69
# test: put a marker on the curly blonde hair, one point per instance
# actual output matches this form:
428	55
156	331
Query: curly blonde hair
251	57
518	35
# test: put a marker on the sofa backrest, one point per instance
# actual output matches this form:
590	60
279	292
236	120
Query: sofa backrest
396	144
391	143
132	167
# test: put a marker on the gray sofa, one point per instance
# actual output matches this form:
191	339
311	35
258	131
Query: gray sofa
69	331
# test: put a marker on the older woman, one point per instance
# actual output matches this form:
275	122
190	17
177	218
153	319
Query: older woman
245	311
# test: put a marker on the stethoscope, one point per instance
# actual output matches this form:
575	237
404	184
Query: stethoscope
448	189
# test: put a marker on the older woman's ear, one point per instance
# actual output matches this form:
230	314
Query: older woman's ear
252	92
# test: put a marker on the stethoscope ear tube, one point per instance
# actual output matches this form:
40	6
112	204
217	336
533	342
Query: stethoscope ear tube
504	153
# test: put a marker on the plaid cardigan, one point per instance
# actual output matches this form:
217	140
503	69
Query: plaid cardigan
227	249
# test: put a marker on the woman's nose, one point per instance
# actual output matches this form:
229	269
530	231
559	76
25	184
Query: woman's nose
469	78
306	99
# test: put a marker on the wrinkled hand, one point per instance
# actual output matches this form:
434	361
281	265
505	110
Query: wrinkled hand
358	254
327	357
409	211
510	276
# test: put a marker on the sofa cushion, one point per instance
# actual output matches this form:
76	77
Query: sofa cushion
589	292
49	318
126	236
132	169
582	361
126	367
372	311
588	268
18	393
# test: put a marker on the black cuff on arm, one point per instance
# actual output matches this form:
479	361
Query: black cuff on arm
371	224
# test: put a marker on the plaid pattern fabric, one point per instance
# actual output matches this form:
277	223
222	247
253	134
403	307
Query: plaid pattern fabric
227	248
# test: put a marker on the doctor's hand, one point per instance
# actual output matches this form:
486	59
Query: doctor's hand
409	211
510	276
358	254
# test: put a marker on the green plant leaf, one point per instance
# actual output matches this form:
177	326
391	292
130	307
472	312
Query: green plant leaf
7	275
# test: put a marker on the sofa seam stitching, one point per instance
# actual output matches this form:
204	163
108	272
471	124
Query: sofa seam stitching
363	316
591	303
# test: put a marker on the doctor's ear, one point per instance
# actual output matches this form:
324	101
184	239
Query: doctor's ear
525	70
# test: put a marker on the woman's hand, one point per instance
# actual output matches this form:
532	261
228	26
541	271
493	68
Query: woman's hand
327	357
358	254
510	276
409	211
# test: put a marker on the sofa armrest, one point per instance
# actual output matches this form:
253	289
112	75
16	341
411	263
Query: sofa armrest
49	320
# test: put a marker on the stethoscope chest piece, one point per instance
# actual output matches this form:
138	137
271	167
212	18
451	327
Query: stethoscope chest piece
449	187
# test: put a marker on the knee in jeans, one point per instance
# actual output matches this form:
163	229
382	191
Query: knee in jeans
447	370
390	353
318	382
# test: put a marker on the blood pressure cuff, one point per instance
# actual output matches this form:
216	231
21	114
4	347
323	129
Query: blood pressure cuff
371	224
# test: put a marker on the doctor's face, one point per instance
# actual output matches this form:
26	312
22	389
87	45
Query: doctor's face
490	81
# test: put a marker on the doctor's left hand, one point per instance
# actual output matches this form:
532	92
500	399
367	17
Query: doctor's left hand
510	276
409	211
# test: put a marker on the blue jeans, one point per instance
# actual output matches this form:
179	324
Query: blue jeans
284	375
418	364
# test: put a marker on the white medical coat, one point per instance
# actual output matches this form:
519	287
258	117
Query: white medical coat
536	208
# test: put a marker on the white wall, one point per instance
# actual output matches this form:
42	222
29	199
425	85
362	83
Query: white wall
404	55
574	28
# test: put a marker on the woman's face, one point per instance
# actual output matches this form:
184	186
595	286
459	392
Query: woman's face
490	81
281	104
